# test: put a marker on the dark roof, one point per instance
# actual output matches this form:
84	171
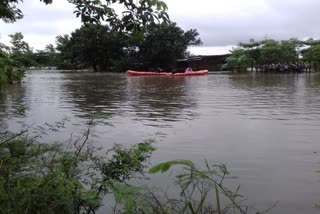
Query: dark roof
190	59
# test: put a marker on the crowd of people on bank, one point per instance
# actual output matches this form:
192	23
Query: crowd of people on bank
284	67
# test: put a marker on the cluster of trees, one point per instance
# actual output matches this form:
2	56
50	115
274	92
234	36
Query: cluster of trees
142	37
275	55
103	49
14	59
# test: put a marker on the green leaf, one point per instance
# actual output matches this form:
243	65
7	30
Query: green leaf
165	166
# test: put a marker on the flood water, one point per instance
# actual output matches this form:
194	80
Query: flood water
266	128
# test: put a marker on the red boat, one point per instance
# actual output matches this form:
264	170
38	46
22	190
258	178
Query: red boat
145	73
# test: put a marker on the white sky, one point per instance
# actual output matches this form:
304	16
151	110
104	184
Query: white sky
221	24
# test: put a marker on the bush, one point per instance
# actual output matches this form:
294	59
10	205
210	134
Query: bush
49	178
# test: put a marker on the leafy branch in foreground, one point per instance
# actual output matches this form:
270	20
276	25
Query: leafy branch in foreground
134	14
200	190
50	178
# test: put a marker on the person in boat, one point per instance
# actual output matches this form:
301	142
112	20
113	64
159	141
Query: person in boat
188	70
159	70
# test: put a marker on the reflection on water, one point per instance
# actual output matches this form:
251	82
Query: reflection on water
162	98
94	93
277	97
265	127
12	103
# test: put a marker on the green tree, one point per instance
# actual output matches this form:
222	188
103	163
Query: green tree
9	11
312	55
253	52
11	67
285	51
93	46
265	52
238	61
18	45
50	49
289	50
15	59
270	51
48	178
165	43
20	50
63	52
62	41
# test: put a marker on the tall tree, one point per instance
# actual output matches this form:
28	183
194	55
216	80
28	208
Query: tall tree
18	44
165	43
93	46
50	49
64	52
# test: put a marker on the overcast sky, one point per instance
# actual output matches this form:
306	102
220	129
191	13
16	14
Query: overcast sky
221	23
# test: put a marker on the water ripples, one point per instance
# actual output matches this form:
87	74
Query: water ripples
252	122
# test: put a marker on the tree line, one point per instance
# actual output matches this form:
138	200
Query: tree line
116	46
102	48
270	55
